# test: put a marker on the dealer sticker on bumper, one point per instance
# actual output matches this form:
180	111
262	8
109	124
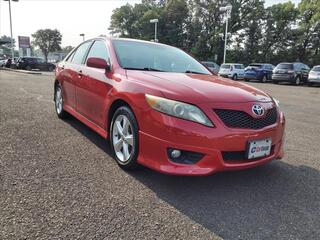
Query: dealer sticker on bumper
259	148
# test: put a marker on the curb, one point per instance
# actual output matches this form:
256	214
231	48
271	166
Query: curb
20	71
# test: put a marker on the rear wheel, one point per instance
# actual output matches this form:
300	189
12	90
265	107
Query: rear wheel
124	138
50	69
58	102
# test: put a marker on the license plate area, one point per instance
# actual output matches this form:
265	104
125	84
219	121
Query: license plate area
259	148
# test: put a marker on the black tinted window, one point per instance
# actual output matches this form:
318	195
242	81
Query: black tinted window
80	53
285	66
99	50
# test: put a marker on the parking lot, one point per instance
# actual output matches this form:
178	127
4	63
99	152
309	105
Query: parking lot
59	182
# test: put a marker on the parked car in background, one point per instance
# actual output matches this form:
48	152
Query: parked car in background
2	62
234	71
259	71
314	75
29	63
212	66
8	63
295	73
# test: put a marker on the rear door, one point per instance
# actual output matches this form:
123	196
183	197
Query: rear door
71	73
93	88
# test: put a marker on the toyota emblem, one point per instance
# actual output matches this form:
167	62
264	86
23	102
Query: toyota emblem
257	110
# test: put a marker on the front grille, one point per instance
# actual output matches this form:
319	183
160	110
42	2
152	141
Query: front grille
240	156
240	119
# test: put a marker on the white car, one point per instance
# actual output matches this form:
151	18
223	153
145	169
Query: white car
2	62
314	75
234	71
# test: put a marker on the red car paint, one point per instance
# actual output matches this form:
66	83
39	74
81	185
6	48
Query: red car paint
89	94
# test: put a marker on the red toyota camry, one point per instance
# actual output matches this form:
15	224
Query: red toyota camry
161	108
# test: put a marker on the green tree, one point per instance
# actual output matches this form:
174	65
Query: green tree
278	36
309	29
67	49
47	40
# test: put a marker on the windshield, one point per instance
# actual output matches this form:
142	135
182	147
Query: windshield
285	66
225	66
155	57
316	69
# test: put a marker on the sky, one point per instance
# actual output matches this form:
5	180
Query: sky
70	17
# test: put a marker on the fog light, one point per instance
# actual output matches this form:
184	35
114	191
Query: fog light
184	157
175	153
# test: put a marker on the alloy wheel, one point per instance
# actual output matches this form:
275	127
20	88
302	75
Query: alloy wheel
58	100
122	138
264	79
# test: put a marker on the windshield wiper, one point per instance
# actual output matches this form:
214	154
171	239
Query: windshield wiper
194	72
144	69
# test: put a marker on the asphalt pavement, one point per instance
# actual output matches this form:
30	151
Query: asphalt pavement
58	181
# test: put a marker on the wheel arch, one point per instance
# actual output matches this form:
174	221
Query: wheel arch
113	108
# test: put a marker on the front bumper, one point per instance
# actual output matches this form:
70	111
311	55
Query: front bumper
314	79
165	132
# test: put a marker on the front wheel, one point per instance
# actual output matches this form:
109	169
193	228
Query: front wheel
235	77
264	79
124	138
297	81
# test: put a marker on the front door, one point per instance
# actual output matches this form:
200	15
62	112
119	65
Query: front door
93	88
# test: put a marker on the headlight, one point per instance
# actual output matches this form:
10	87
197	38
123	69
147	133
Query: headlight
178	109
277	102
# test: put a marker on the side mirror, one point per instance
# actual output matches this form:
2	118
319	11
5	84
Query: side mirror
98	63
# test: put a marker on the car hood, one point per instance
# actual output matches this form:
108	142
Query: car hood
197	88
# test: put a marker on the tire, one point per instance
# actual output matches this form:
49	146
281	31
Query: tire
275	82
264	79
246	80
310	84
28	68
50	69
124	138
235	77
58	102
297	81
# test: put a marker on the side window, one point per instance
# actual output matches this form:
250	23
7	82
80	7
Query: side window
99	50
70	57
80	53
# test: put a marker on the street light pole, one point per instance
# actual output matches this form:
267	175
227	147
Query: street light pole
82	35
12	47
155	21
227	10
